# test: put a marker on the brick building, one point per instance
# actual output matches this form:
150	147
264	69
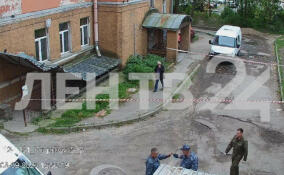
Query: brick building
55	32
35	34
47	30
121	29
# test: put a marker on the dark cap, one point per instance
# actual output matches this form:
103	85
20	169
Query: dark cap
185	147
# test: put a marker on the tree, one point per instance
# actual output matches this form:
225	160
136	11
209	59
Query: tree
199	5
176	6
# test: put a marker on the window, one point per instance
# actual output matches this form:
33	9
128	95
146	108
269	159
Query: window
164	6
84	29
239	40
225	41
152	3
41	44
64	37
21	167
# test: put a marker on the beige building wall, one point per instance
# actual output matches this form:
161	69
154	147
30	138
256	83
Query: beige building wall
172	42
159	5
120	28
19	37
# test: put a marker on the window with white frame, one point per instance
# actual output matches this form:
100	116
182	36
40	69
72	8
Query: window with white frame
84	30
64	37
41	44
164	6
152	3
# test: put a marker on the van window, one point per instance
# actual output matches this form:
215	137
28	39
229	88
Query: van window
225	41
239	40
20	168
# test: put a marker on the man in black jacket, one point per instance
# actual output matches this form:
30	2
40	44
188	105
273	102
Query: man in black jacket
159	70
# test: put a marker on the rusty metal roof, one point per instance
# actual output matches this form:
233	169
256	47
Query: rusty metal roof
165	21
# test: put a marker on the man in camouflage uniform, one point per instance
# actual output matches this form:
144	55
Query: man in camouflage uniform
189	159
240	151
153	161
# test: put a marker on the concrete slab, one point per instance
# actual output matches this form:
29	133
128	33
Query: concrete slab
17	126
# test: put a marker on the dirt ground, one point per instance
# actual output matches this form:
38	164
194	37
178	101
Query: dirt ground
207	130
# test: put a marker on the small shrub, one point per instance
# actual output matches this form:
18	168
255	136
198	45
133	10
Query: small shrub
139	64
123	87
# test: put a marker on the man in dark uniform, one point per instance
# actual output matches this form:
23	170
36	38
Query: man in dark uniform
189	158
153	161
159	70
240	151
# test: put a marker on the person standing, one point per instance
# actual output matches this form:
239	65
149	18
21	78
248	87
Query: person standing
240	151
189	158
153	161
159	70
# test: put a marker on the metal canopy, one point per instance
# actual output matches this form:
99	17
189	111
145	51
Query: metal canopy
166	169
99	66
165	21
29	61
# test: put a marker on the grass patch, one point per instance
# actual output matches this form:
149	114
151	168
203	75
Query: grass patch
69	118
280	45
280	42
47	131
40	118
123	87
196	38
176	96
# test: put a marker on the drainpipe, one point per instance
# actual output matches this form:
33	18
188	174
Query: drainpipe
96	28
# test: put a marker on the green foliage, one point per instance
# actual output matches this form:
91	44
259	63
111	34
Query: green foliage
196	38
199	5
123	87
280	42
228	16
38	119
139	64
260	14
280	46
70	117
135	64
176	96
265	15
210	21
100	105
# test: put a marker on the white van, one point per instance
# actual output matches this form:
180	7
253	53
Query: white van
228	40
13	162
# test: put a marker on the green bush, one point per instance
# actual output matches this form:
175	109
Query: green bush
123	87
228	16
258	16
213	20
136	64
139	64
70	117
100	105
